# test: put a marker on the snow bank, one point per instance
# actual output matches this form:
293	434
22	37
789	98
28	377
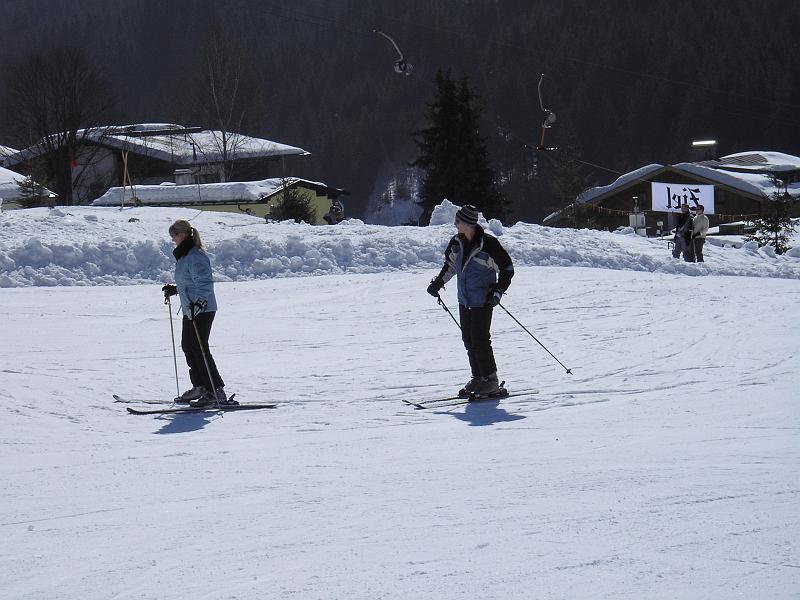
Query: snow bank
74	246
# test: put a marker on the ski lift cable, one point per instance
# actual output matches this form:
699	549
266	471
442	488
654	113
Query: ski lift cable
596	64
600	65
549	116
405	68
526	143
295	15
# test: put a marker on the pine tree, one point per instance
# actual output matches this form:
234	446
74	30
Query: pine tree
567	181
293	205
453	154
32	193
774	225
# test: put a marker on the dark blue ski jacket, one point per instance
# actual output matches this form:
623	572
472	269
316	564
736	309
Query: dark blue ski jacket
479	267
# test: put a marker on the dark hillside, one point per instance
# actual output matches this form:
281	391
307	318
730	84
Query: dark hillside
630	82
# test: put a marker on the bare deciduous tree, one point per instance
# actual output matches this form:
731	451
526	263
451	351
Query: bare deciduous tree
224	94
54	99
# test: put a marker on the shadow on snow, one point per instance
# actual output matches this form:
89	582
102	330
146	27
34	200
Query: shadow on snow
486	412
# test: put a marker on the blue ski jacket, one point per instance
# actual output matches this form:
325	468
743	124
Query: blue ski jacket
193	278
479	268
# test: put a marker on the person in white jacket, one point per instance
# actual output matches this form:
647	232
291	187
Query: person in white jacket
699	230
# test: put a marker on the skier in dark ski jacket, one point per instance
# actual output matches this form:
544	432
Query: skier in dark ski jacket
683	231
195	286
483	271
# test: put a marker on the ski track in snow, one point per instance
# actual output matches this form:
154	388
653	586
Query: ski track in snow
665	467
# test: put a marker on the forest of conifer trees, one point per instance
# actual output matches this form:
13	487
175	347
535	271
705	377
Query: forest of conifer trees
631	83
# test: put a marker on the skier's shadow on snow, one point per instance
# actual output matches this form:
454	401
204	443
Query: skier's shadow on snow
486	412
185	423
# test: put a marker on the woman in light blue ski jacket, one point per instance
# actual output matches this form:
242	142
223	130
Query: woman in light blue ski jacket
194	284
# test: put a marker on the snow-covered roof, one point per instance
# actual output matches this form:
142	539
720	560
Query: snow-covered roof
7	151
757	182
758	161
622	181
168	193
9	185
172	143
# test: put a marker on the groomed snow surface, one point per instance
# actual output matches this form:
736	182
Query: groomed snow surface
666	466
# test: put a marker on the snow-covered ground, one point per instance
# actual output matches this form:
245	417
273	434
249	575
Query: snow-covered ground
102	245
666	466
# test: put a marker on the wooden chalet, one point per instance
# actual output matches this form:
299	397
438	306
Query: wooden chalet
740	185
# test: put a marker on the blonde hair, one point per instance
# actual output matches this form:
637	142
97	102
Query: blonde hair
181	226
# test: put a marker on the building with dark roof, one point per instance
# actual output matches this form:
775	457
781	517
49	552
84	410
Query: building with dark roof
153	153
739	186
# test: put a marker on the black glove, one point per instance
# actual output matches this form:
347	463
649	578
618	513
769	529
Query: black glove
169	290
435	285
197	306
493	297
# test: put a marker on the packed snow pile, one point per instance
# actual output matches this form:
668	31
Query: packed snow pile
69	246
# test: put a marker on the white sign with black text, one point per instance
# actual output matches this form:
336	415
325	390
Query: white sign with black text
668	197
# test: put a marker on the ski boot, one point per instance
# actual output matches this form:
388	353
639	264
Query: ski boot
214	398
489	387
469	387
189	395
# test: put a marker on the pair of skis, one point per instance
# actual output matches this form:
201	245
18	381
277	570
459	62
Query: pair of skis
170	407
453	401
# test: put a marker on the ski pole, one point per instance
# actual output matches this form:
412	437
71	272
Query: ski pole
168	302
444	306
569	371
202	351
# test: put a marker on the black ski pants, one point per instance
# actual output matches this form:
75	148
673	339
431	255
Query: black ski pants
475	325
194	351
698	243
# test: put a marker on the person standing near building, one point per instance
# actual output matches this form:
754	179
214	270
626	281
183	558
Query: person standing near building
335	213
699	230
195	287
483	270
682	233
